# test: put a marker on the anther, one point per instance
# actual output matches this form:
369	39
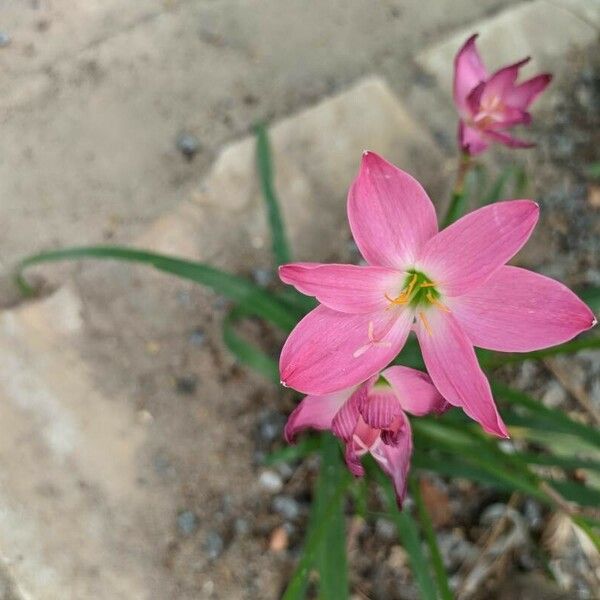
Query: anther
425	322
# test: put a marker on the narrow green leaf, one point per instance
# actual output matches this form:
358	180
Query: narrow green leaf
316	536
408	533
281	248
245	352
331	560
254	299
544	415
495	359
437	562
591	296
304	447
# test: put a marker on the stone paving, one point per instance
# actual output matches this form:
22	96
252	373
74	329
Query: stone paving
88	500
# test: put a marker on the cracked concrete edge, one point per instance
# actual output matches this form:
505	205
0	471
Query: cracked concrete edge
9	588
545	30
308	167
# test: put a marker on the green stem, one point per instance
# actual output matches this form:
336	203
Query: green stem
458	198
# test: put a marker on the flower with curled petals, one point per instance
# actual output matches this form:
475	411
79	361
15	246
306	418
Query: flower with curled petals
452	287
489	105
371	418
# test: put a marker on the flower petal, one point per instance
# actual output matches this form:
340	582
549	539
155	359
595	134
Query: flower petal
315	412
502	81
509	140
468	73
345	420
453	367
345	288
380	408
390	214
329	350
522	95
466	253
395	460
517	310
471	140
415	391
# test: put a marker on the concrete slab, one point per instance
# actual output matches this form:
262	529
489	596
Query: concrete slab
542	29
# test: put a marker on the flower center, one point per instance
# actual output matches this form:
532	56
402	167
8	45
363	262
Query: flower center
418	291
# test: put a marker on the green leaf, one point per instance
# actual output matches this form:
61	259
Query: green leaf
304	447
331	561
591	296
408	533
437	562
317	535
246	353
281	248
254	299
495	359
544	417
593	170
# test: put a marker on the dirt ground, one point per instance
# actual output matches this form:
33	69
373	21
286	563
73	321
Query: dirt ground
113	114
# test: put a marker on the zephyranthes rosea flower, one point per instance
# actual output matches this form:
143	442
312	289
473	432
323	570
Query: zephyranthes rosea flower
370	418
453	287
490	104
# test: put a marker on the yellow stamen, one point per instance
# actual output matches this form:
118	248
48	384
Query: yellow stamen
430	284
401	299
425	322
437	303
411	285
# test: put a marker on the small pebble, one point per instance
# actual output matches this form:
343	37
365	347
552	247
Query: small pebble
188	144
197	337
554	396
271	481
213	545
385	529
241	526
187	522
4	39
287	507
262	277
271	426
186	384
279	540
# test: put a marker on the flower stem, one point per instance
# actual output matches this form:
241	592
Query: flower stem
458	198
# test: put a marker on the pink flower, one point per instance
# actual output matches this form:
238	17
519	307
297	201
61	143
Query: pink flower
453	287
370	418
490	104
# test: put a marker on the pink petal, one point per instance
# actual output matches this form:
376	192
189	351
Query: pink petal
329	350
502	81
453	367
517	310
525	93
509	117
352	459
415	391
345	288
315	412
466	253
345	420
390	214
395	460
471	140
380	408
509	140
468	72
